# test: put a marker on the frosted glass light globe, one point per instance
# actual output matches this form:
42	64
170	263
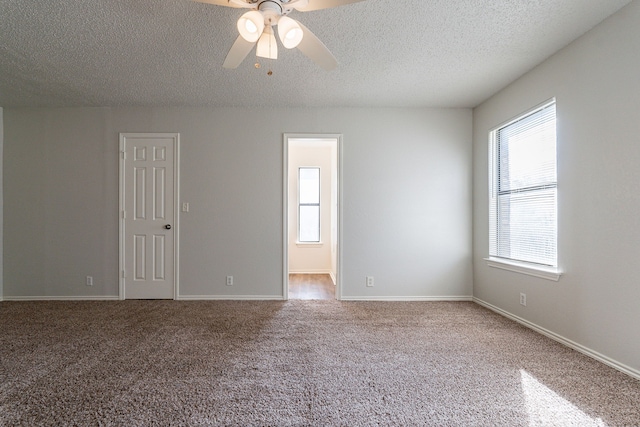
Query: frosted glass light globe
289	32
251	26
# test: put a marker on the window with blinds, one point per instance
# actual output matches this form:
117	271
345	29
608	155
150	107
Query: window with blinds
309	205
523	188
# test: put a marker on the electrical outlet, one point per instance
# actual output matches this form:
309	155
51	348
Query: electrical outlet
523	299
89	281
185	207
370	281
229	280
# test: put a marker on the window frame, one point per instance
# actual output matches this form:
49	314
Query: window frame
549	272
318	205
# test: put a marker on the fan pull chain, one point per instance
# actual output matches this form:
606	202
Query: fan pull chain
270	72
270	51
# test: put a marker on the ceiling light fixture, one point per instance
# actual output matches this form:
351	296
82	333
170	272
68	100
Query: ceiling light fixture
267	46
251	26
289	32
256	27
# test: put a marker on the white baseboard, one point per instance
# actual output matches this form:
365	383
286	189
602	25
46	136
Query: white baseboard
117	298
405	298
333	278
559	338
230	297
62	298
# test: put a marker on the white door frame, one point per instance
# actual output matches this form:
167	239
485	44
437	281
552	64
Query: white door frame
285	209
122	207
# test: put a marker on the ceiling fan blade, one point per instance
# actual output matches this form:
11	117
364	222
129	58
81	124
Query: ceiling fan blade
309	5
238	52
315	50
228	3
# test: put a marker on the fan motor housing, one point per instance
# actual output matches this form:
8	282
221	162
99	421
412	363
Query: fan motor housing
272	10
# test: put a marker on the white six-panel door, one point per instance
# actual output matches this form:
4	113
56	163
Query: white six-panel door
148	199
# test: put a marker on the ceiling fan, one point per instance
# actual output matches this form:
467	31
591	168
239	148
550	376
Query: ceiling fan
256	27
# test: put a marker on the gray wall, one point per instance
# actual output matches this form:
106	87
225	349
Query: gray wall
406	199
595	303
1	200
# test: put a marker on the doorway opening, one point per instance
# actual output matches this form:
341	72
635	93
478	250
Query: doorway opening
312	170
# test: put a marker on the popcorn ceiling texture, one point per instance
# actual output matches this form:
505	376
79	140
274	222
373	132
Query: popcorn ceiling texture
391	53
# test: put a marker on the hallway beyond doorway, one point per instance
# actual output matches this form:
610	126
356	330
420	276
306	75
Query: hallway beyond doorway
311	286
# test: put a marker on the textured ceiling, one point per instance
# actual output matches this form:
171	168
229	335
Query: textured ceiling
439	53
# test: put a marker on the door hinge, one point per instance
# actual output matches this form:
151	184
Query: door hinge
124	214
123	154
124	274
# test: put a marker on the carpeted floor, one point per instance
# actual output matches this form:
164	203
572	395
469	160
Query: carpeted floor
296	363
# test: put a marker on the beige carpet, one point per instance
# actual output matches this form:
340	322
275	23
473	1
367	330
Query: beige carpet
296	363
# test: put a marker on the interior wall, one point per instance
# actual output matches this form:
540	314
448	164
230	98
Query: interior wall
595	302
1	201
61	203
406	199
310	258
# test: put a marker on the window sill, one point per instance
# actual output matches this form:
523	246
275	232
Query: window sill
309	244
549	273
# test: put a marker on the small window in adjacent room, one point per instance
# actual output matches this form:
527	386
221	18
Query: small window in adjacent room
523	193
309	205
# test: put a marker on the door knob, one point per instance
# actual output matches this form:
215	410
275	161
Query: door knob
168	226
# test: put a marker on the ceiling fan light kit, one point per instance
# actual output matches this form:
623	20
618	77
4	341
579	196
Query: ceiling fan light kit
289	32
256	27
267	46
251	26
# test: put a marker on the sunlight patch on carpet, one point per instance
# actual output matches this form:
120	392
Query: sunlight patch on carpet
546	407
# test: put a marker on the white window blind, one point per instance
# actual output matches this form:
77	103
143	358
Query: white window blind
523	205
